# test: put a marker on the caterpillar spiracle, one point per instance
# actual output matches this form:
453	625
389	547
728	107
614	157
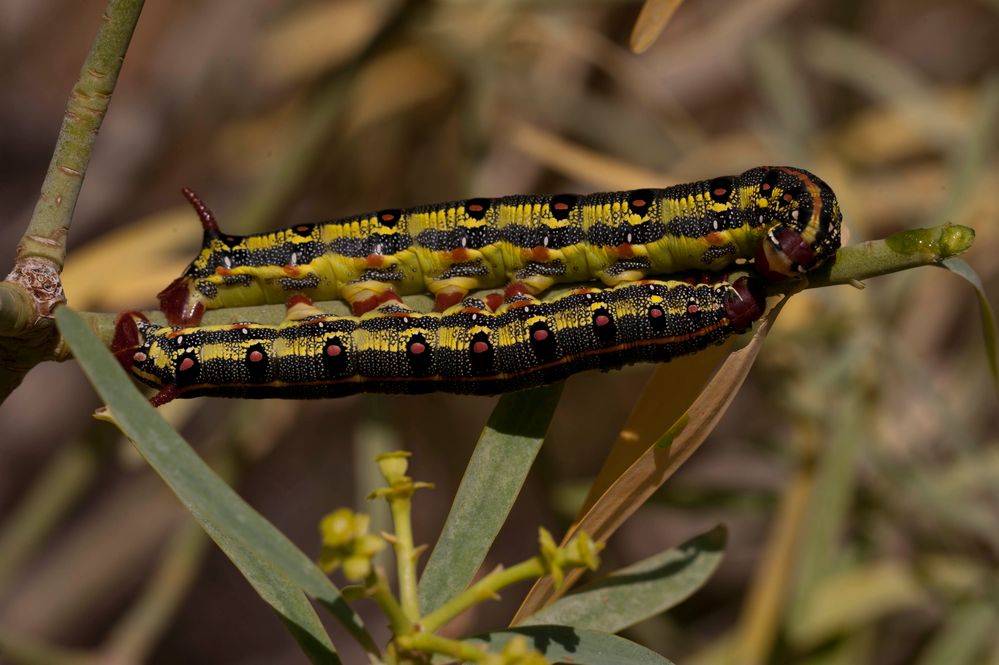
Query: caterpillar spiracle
785	217
467	349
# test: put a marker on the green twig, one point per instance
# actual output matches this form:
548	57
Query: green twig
428	643
377	586
33	288
901	251
897	252
405	555
484	589
399	494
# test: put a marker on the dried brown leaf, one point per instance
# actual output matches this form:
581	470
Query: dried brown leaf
658	462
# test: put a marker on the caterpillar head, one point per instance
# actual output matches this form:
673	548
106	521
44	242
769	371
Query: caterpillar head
140	350
802	217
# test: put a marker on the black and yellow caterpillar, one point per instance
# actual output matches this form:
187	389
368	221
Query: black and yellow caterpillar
787	218
467	349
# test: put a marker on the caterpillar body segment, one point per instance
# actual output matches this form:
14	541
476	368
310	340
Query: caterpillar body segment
786	218
467	349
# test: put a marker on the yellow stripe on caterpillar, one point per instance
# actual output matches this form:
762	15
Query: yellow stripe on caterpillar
466	349
787	218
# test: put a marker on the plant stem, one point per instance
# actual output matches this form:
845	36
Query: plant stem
900	251
484	589
428	643
378	587
405	556
33	288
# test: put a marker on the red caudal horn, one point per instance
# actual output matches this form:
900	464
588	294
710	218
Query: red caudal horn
208	221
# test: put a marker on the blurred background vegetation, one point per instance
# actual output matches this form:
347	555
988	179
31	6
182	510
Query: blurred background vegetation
857	471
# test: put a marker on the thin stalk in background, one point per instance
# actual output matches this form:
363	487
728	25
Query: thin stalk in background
33	288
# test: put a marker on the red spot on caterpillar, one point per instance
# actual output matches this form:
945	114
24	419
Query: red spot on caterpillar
333	350
387	216
719	191
459	255
387	295
475	207
494	300
255	356
297	299
715	238
540	254
374	260
359	307
480	347
540	335
292	271
447	298
517	289
139	357
561	205
693	308
624	251
417	348
302	228
787	197
765	187
601	320
639	203
656	312
185	365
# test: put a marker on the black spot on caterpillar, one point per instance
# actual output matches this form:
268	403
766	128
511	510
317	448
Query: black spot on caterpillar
787	218
467	349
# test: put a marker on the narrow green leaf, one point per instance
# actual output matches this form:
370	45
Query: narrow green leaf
641	590
503	455
262	553
959	267
562	644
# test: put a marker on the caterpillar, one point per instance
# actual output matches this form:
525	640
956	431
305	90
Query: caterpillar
467	349
787	218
